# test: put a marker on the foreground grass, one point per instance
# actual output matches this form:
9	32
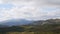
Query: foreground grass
30	33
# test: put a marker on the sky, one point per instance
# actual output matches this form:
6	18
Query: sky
29	9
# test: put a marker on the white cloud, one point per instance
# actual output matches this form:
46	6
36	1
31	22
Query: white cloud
31	9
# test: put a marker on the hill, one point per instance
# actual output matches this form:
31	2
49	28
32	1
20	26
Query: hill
15	22
49	21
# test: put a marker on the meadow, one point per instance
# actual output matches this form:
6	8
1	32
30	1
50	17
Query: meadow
30	33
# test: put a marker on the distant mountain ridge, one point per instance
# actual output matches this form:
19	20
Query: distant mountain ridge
49	21
14	22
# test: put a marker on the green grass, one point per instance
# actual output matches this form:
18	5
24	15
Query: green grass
30	33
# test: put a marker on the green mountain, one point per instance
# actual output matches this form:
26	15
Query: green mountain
49	21
50	25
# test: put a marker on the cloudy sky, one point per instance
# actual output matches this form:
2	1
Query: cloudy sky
29	9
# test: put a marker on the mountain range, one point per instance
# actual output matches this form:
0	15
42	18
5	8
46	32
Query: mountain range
16	22
49	21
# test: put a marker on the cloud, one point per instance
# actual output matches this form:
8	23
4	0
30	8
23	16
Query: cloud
30	9
54	2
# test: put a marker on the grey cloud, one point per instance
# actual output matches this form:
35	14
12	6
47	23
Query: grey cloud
38	2
54	2
38	13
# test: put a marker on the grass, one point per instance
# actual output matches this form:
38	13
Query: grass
30	33
20	33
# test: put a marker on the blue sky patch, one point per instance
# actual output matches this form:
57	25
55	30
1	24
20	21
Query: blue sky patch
6	6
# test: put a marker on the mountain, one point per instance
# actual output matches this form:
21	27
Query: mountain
27	22
16	22
50	25
49	21
53	21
